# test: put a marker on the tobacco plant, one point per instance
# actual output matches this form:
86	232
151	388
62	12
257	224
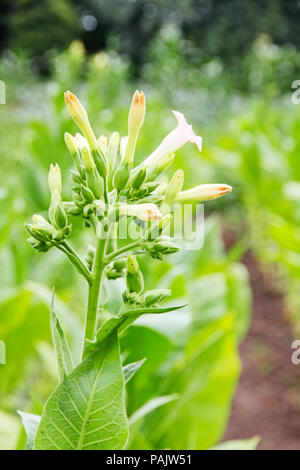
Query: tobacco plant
87	409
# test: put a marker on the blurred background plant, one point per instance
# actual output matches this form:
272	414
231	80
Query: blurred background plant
234	83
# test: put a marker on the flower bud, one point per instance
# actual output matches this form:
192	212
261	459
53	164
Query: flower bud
40	229
153	297
54	181
73	148
123	145
57	213
134	277
139	178
161	247
122	176
135	121
102	141
94	181
101	162
203	192
90	256
80	116
174	186
112	150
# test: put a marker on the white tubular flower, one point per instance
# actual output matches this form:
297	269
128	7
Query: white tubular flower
54	180
203	192
143	212
179	136
80	116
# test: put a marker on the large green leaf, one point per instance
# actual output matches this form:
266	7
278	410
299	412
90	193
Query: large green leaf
87	410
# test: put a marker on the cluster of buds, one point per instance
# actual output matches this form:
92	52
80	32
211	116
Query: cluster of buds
45	234
106	184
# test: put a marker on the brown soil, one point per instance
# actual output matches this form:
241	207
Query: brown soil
267	401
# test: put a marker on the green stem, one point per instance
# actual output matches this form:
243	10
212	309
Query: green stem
122	250
94	292
75	260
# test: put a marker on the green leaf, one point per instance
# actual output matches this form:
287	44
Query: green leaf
87	410
31	423
130	369
61	347
242	444
122	321
150	406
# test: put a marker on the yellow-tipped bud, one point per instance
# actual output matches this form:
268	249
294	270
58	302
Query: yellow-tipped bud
80	116
136	112
135	120
203	192
54	180
174	186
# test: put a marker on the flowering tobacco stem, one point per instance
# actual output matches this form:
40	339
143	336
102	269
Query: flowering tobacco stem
94	293
75	260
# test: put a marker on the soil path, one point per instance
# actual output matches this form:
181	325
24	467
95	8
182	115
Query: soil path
267	402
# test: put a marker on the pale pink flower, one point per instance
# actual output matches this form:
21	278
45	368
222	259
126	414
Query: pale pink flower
179	136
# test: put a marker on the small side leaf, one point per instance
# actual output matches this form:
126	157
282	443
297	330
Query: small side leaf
61	347
31	423
121	321
150	406
130	369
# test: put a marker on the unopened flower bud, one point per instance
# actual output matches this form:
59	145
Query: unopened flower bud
54	180
90	256
203	192
135	121
74	149
174	186
80	116
153	297
102	141
122	176
134	277
112	150
139	178
94	181
123	145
